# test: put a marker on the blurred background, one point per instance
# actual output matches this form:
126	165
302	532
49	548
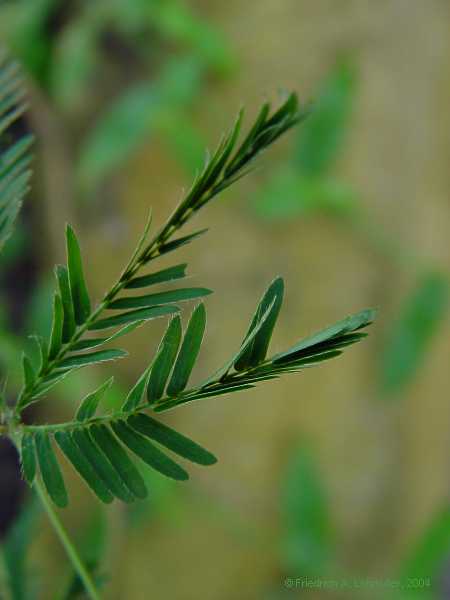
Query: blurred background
340	473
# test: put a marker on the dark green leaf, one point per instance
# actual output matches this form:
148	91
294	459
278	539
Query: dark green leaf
257	350
83	466
189	350
160	298
200	394
80	360
50	471
164	360
69	326
348	325
175	244
78	289
136	393
170	274
144	314
410	337
29	375
43	351
28	457
171	439
57	327
89	404
119	459
101	465
147	452
95	342
215	377
50	381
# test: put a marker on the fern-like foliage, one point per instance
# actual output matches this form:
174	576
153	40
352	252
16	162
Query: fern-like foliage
101	447
14	156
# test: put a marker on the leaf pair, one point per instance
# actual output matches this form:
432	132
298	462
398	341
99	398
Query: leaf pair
173	363
100	454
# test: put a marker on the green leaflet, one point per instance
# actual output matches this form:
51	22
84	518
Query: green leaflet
57	327
245	344
101	465
348	325
144	314
171	439
335	343
164	360
28	458
50	471
69	325
78	289
177	243
49	382
43	351
189	350
207	393
147	452
119	459
160	298
80	360
95	342
89	404
257	350
170	274
136	393
28	372
83	466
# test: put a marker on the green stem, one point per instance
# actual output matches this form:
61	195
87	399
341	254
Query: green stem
67	543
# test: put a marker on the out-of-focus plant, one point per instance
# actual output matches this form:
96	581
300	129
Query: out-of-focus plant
410	336
306	185
165	52
100	445
307	541
308	546
20	583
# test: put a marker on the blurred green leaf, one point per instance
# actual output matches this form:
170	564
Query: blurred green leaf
430	555
15	549
132	116
307	543
291	194
92	548
74	59
23	25
176	20
320	139
410	336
